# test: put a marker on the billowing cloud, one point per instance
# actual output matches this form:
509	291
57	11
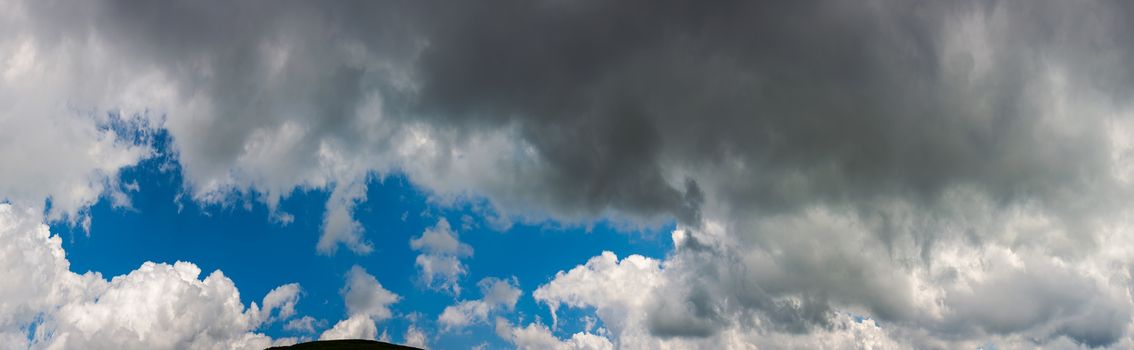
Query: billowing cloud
55	142
159	306
414	337
712	293
365	296
498	295
367	302
305	324
538	337
642	308
354	327
283	299
593	284
440	261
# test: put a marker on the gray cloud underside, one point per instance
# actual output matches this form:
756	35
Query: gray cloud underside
848	152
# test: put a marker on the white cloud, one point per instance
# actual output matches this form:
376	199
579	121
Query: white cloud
719	290
72	158
464	313
414	337
439	264
339	226
156	306
633	294
614	287
283	299
367	302
497	294
354	327
305	324
365	296
538	337
440	239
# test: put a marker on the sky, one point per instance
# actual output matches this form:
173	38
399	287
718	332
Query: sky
557	174
161	227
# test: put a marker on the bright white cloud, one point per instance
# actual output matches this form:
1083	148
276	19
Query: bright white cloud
440	263
354	327
614	287
498	295
538	337
157	306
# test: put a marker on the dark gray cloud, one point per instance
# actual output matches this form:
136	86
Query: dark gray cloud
856	98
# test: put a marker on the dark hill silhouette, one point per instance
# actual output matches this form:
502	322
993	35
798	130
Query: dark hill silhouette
346	344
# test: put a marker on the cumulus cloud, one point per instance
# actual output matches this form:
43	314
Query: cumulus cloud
354	327
635	277
158	306
283	299
55	142
538	337
339	225
414	337
643	308
365	296
305	324
440	263
367	302
793	293
498	295
915	163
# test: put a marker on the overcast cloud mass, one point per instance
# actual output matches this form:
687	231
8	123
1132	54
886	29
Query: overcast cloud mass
842	174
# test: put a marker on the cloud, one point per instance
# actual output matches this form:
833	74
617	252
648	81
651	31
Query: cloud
339	226
367	302
439	264
498	295
715	292
157	306
282	298
305	324
53	143
414	337
538	337
365	296
635	276
643	307
354	327
914	163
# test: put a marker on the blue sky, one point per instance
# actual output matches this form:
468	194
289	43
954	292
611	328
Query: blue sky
259	253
